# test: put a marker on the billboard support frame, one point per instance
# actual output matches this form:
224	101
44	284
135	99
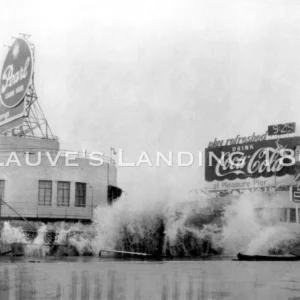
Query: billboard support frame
35	122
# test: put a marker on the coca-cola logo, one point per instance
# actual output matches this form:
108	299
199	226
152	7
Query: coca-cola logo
16	73
262	159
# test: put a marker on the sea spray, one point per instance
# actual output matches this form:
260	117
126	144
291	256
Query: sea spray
244	232
240	226
37	247
164	228
10	234
129	227
156	228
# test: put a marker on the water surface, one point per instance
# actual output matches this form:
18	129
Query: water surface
99	278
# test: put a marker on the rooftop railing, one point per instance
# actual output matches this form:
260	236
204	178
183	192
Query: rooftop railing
38	211
53	137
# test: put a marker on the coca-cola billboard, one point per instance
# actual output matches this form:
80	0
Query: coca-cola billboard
15	79
251	161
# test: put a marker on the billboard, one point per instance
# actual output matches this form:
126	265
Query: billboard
15	79
254	163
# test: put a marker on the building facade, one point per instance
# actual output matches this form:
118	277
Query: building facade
38	181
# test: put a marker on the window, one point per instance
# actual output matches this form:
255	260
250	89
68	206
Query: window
45	192
293	215
80	194
63	193
283	214
2	184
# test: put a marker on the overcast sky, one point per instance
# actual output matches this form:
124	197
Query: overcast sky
160	76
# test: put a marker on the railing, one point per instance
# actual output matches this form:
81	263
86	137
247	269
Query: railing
54	152
52	137
34	210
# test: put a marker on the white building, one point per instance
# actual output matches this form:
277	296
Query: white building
52	193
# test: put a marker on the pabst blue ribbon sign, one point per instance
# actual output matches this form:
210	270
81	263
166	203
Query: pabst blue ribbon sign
15	79
251	162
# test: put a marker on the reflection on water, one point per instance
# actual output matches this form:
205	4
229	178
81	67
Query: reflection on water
93	278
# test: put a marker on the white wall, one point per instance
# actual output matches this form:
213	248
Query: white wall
22	185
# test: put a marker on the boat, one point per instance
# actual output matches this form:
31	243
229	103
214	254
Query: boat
245	257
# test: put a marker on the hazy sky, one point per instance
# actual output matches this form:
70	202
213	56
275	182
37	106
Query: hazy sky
160	76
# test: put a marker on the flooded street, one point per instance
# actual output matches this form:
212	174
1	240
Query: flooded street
94	278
